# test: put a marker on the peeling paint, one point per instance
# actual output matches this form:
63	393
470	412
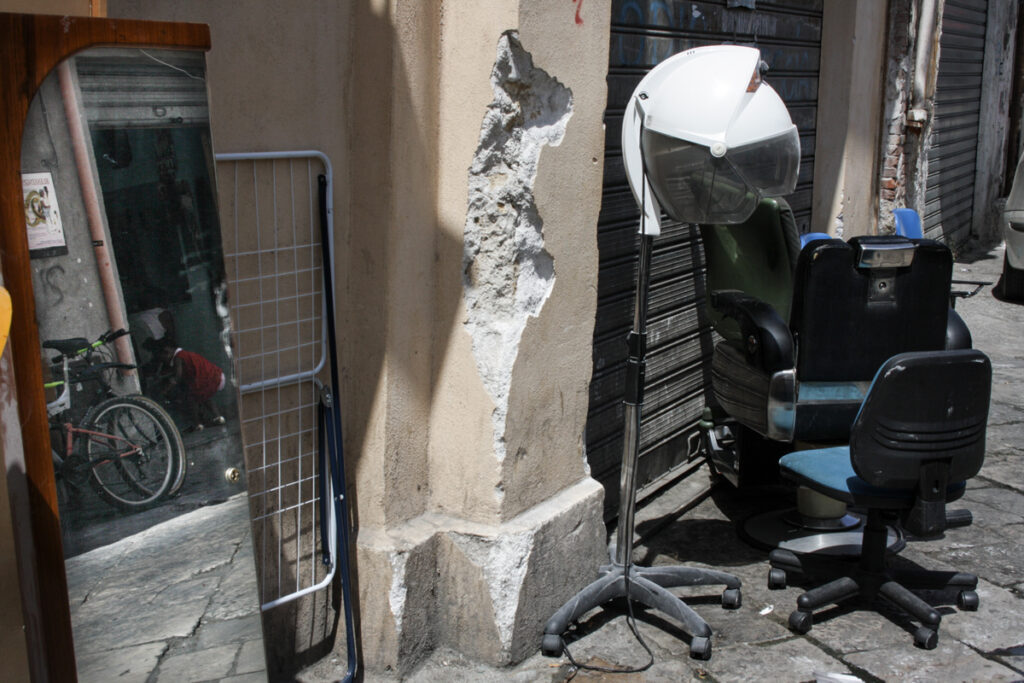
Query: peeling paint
507	272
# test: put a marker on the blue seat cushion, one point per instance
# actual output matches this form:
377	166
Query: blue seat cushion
829	471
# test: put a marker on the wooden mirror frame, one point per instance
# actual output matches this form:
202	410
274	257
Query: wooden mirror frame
30	47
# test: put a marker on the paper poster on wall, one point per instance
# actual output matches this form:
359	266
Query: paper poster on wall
42	216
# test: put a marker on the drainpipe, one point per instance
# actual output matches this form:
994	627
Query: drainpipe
924	52
919	108
90	196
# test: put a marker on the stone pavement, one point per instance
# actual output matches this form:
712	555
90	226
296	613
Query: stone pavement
686	525
172	603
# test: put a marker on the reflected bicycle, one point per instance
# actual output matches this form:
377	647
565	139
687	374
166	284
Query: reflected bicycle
126	447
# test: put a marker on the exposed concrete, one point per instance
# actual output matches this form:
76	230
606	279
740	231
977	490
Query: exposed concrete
899	78
507	272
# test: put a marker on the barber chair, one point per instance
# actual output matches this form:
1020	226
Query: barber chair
919	435
803	332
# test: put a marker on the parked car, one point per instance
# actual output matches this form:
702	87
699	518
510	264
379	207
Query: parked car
1012	283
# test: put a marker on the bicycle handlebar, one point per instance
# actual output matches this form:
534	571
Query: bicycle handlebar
111	335
72	348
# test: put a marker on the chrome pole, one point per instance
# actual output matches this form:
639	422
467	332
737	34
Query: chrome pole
634	399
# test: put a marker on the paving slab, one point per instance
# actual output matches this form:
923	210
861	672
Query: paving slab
953	659
998	624
795	659
251	658
125	665
179	622
202	665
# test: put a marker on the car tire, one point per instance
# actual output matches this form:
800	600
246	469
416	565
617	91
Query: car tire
1012	283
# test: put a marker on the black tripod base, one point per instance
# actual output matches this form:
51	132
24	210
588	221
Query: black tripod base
648	586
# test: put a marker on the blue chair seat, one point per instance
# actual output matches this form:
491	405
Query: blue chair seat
830	471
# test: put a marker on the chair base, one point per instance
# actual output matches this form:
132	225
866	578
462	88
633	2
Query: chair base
871	579
648	586
787	529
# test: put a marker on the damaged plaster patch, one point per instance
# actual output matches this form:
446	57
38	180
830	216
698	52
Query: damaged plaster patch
507	273
503	561
399	591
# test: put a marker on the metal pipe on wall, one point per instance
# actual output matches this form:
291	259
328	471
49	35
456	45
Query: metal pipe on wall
923	54
90	197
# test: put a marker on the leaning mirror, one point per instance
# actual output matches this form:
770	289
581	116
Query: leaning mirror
128	276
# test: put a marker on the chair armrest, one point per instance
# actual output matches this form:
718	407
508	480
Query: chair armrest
767	339
958	335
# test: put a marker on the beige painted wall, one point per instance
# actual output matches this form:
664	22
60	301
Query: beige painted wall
851	87
82	8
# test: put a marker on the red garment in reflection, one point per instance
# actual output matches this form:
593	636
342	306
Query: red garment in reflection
203	378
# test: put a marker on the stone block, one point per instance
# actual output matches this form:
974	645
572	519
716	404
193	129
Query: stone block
483	590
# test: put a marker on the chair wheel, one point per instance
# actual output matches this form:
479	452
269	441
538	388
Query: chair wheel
926	638
551	645
700	648
967	601
731	598
776	579
801	622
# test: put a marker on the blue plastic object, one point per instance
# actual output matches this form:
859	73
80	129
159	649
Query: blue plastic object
811	236
908	223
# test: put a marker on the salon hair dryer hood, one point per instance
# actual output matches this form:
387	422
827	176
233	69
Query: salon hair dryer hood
704	138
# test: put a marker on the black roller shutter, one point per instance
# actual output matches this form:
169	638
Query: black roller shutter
642	35
949	198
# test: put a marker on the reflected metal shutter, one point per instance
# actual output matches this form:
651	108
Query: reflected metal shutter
143	88
644	34
949	198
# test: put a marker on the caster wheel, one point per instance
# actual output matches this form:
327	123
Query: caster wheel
967	601
926	638
731	598
700	648
551	645
776	579
801	622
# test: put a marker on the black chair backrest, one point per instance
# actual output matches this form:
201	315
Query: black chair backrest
848	318
757	256
924	410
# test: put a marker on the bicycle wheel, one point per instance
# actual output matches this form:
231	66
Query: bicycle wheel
178	446
130	452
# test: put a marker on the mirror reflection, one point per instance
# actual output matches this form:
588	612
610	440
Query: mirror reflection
120	207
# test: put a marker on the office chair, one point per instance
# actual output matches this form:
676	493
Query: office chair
919	435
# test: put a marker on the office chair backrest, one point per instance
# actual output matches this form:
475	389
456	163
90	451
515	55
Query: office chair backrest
850	315
757	256
924	410
907	223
